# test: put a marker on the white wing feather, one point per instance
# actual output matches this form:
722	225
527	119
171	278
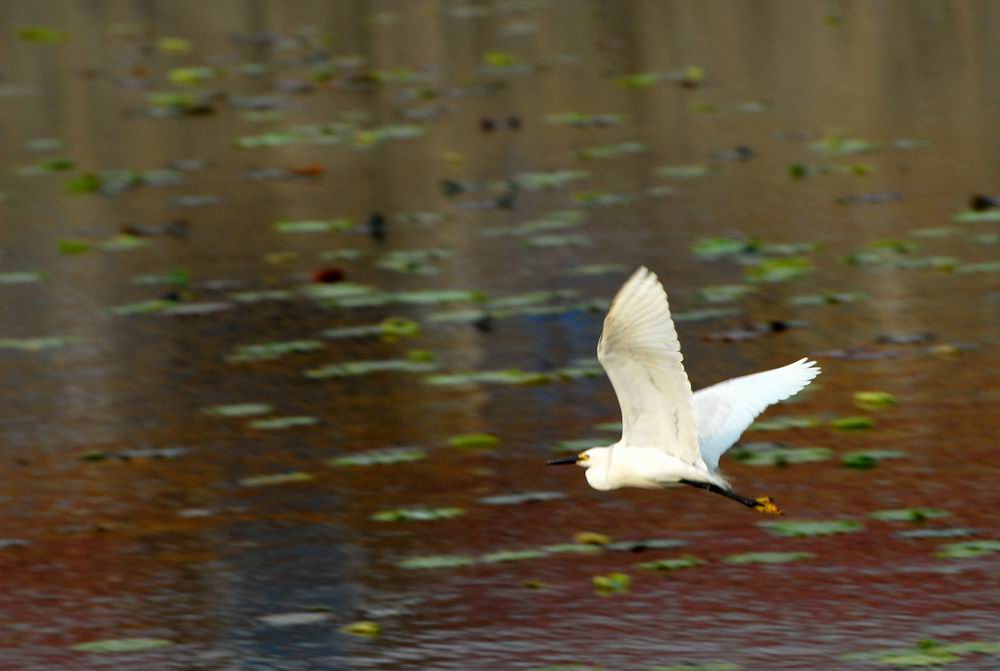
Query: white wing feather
725	410
642	356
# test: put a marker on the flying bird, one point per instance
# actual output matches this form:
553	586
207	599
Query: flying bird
670	435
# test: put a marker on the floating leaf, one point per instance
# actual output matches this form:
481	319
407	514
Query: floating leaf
811	527
949	532
591	538
873	400
276	479
704	314
828	298
416	514
968	549
474	441
554	179
270	351
767	557
717	248
142	307
977	216
437	561
612	582
672	563
294	619
725	293
599	269
365	629
511	555
239	409
394	455
390	328
859	423
909	514
613	150
313	226
355	368
426	297
572	548
37	344
583	120
865	459
779	270
122	645
784	423
279	423
43	35
72	247
687	171
987	267
523	497
645	544
781	456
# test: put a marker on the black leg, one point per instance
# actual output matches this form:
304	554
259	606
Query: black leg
762	504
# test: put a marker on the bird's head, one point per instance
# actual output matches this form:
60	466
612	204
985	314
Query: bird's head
595	456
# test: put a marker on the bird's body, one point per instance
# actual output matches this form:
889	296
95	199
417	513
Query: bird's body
669	434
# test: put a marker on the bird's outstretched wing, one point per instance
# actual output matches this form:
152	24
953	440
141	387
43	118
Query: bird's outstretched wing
642	356
725	410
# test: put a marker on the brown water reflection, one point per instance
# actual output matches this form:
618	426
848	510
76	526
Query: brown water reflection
177	549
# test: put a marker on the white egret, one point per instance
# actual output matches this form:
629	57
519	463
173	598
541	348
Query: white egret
669	435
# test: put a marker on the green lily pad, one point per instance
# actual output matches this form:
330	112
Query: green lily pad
811	527
987	267
725	293
279	423
784	423
719	248
510	556
522	497
644	545
968	549
583	120
687	171
672	563
43	35
437	561
427	297
909	514
865	459
393	327
416	514
704	314
474	441
551	240
779	270
355	368
276	479
392	455
767	557
73	247
572	548
598	269
294	619
122	645
612	582
337	292
947	532
21	278
858	423
510	376
781	456
313	226
833	298
271	351
554	179
613	150
364	629
37	344
192	75
873	400
239	409
261	296
977	216
418	261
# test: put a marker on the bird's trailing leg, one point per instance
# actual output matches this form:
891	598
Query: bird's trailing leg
762	504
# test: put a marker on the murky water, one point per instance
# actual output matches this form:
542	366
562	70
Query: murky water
177	549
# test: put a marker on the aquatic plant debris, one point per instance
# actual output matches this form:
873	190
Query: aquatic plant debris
672	563
392	455
276	479
113	645
925	653
416	514
239	409
474	441
865	459
811	527
909	514
612	583
768	454
767	557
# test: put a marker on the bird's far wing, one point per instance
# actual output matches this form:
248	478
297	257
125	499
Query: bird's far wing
642	356
725	410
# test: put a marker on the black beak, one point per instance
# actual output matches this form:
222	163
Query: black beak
559	462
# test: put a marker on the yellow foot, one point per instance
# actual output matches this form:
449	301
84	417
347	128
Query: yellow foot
766	505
